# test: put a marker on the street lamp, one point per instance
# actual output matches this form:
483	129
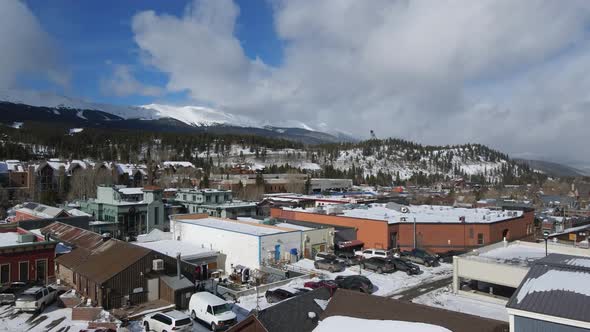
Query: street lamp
545	237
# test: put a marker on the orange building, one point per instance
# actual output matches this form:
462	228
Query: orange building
435	228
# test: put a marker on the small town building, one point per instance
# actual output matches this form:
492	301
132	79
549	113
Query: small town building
320	185
495	271
33	211
214	202
347	303
126	211
25	256
435	228
243	243
553	296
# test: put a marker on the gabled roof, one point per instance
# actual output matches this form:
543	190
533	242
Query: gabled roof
292	315
359	305
93	257
250	324
42	210
73	236
105	261
557	285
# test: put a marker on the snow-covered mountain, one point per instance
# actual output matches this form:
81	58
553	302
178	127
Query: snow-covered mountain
191	115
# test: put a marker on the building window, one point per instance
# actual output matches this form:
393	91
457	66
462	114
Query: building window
23	271
156	215
4	273
184	197
195	198
479	238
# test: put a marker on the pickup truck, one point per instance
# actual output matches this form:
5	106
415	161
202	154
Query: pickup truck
9	292
36	299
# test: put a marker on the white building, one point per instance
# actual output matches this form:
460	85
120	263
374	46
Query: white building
503	265
241	242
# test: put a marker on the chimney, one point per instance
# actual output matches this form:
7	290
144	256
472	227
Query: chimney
178	266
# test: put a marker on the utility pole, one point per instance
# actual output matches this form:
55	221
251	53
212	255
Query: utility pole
545	237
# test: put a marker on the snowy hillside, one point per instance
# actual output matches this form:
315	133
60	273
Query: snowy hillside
199	116
387	159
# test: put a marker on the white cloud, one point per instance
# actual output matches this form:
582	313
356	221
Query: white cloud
25	46
123	83
432	71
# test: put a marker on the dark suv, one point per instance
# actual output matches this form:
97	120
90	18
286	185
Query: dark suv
378	264
420	256
348	258
355	282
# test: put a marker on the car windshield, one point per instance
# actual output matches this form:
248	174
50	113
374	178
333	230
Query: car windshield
182	322
220	309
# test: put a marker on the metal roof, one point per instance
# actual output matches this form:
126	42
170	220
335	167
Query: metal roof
543	293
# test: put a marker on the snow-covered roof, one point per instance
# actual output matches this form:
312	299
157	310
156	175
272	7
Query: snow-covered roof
556	285
131	191
172	247
78	213
39	210
293	226
235	226
9	239
343	323
179	164
154	235
426	214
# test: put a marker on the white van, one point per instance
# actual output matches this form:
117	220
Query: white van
211	310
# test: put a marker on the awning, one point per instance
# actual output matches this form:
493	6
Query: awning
349	244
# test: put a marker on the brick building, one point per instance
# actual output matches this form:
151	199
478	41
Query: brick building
34	211
435	228
25	256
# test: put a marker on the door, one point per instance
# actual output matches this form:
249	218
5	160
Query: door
41	269
153	289
4	273
393	240
204	272
23	271
278	252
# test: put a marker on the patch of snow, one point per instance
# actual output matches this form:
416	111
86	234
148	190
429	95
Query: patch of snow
445	299
322	303
585	262
75	130
343	323
556	280
80	114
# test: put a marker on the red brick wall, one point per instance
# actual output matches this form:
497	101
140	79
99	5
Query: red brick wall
434	237
373	233
24	216
31	256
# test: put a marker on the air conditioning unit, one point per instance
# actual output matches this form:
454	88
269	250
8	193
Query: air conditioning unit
403	219
404	209
158	265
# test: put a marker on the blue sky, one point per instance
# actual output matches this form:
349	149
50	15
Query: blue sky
436	72
93	35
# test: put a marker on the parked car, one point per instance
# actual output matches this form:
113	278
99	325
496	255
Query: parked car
167	321
9	293
355	282
420	256
330	284
211	310
370	253
324	255
378	264
330	265
279	294
405	266
36	299
348	258
447	257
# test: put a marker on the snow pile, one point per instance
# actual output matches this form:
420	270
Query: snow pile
556	280
342	323
75	130
584	262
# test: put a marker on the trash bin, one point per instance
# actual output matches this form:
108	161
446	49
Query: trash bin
294	256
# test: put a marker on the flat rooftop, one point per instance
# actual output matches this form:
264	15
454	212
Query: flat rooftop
172	248
425	214
237	226
9	239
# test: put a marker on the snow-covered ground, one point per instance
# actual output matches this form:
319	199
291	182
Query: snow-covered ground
343	323
444	298
58	318
386	284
